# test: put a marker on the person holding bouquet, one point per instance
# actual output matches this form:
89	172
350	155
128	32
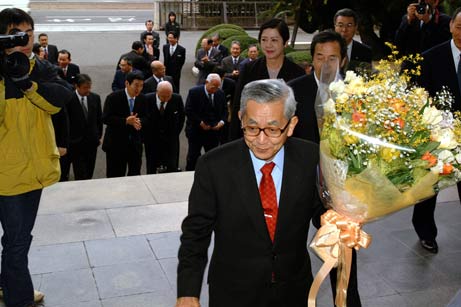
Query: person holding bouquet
260	228
325	45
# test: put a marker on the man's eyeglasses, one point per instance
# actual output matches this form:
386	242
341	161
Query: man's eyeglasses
272	132
342	25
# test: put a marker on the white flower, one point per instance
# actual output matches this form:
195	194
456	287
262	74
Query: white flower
438	168
432	116
445	156
446	137
350	75
337	87
329	106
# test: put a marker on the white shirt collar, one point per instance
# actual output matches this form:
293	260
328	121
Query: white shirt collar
456	53
128	95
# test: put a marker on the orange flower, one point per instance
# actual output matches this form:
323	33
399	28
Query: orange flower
398	105
430	158
399	122
447	169
359	117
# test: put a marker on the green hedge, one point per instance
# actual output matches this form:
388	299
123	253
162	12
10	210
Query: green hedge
223	32
244	40
300	56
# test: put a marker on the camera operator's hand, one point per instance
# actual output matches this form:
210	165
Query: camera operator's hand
16	66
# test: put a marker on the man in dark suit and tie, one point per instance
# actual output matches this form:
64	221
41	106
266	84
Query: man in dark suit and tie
68	71
207	60
252	55
441	67
150	30
206	115
174	57
325	45
158	75
161	134
257	195
51	51
124	114
359	56
231	63
216	38
137	60
85	128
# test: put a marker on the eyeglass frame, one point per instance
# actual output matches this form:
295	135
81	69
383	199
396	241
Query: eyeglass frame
282	130
349	25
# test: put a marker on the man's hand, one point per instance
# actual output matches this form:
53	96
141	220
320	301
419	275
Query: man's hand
187	301
205	59
411	12
134	121
204	126
62	151
235	73
218	126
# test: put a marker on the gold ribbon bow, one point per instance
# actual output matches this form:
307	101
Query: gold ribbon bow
333	243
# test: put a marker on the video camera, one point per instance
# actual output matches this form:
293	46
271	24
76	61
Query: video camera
13	40
422	7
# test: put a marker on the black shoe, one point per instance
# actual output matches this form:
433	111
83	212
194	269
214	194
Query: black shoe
430	245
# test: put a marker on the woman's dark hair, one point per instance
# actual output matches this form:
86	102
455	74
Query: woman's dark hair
171	14
277	24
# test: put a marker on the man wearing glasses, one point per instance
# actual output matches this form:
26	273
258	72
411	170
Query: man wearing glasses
257	195
359	56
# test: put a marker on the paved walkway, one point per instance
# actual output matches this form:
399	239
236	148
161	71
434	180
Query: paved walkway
113	242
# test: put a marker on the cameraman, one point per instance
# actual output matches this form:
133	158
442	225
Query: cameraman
422	28
29	155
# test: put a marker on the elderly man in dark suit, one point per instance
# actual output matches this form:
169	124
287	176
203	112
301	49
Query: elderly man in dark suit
206	115
51	51
124	114
85	128
207	59
158	75
68	71
174	57
260	235
441	67
231	63
359	56
325	45
161	135
216	38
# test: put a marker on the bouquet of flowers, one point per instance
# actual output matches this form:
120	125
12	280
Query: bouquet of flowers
385	145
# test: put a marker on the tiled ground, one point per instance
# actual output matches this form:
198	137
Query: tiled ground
97	247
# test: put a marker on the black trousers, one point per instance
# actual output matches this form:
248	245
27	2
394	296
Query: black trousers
83	160
205	139
118	160
423	217
162	151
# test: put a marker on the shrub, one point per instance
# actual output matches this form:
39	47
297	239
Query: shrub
224	32
244	40
299	57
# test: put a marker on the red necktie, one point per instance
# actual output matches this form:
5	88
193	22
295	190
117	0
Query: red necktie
269	198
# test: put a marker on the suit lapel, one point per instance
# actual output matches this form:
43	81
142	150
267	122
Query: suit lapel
249	193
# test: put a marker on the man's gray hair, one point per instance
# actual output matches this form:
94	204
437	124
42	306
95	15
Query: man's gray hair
213	76
269	91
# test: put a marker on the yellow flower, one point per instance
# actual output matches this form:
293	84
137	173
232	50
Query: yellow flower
350	139
388	154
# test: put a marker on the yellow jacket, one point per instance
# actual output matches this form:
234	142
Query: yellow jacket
29	158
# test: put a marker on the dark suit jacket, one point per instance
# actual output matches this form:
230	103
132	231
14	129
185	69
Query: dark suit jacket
52	54
257	70
228	65
174	63
156	38
150	84
170	126
208	67
119	80
118	134
85	132
138	61
72	71
223	50
244	256
361	57
305	90
198	108
438	70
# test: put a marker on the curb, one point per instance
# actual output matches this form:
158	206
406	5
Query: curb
90	6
